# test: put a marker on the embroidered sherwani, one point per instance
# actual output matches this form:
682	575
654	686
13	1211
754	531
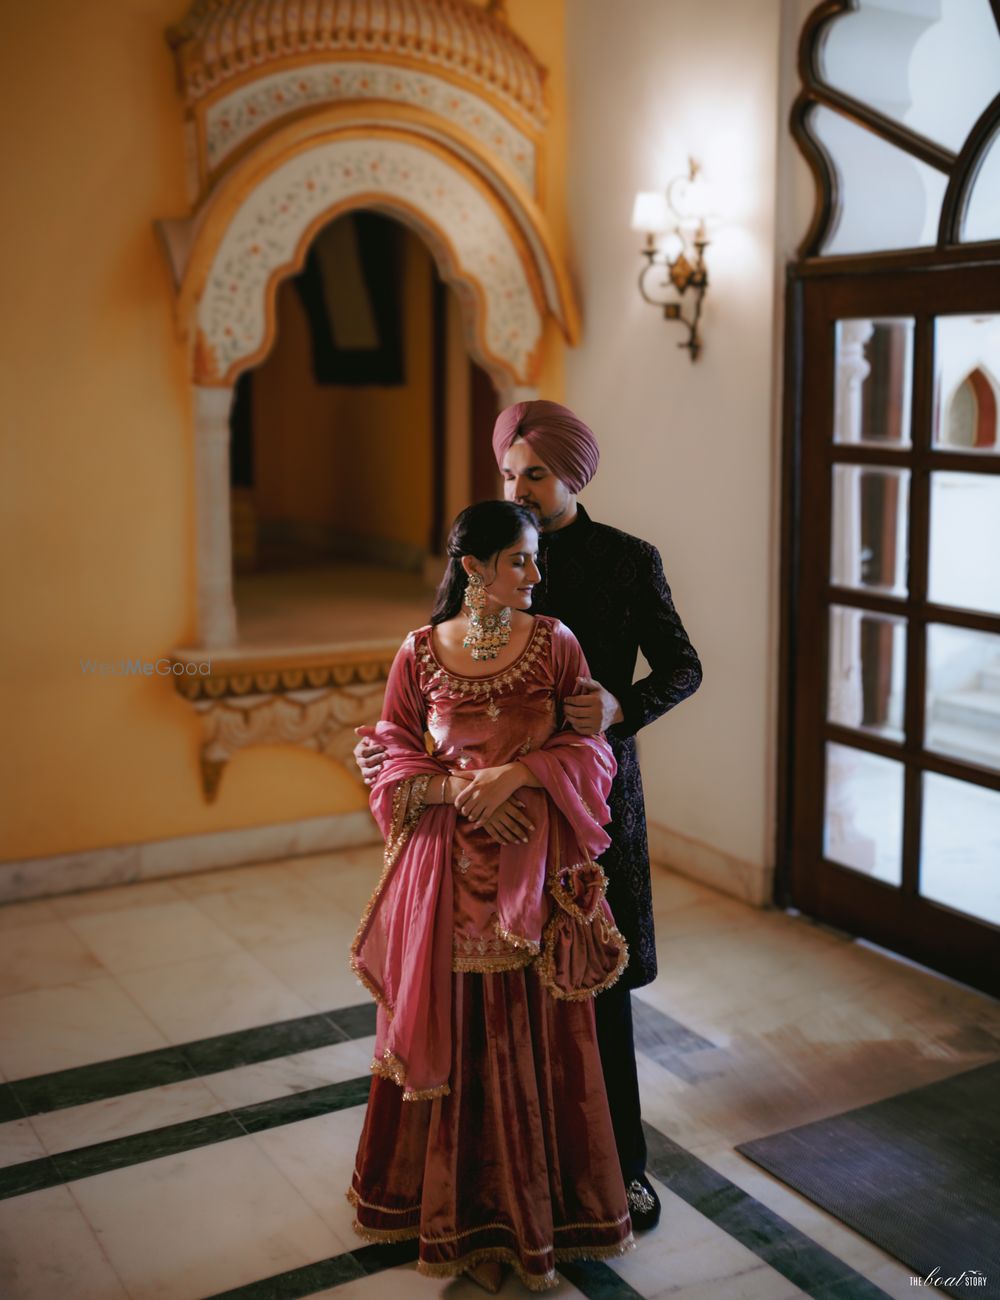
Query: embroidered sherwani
488	1133
610	588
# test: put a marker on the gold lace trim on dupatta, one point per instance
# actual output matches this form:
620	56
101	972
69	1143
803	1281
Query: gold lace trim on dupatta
409	799
391	1067
517	940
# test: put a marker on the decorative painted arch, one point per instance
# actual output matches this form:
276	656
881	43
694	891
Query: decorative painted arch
493	248
432	111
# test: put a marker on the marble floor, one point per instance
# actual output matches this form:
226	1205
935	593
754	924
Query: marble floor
185	1063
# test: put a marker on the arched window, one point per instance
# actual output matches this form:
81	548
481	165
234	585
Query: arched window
972	413
899	120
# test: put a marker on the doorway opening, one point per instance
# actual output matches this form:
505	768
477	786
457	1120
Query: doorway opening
354	443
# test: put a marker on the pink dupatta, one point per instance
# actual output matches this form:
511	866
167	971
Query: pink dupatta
402	950
550	892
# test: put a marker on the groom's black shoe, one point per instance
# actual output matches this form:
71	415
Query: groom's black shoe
643	1204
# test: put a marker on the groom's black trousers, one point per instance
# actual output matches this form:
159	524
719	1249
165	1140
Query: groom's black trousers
613	1008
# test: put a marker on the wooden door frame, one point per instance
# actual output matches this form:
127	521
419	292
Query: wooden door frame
921	291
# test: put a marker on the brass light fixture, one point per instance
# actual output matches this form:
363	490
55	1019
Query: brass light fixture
676	228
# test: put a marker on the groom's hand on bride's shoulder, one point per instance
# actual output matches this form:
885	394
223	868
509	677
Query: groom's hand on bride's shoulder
592	709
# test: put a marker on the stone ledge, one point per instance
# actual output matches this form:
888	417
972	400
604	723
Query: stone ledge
249	670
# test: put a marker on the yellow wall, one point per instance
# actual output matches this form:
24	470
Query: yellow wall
96	476
542	25
355	458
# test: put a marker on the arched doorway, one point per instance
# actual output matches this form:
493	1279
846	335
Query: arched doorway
353	443
430	113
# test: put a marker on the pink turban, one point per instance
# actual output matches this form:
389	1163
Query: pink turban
560	438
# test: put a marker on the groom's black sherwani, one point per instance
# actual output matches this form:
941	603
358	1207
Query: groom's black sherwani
608	587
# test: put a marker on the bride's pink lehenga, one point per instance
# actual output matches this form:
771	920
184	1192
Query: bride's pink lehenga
488	1135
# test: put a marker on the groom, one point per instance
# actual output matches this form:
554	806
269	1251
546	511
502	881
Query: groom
608	587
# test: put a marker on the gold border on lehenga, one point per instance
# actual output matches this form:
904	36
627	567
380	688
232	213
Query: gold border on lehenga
503	1254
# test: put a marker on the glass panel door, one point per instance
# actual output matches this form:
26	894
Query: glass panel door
894	822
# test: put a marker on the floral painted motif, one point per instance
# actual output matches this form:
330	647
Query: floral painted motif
266	232
220	39
237	116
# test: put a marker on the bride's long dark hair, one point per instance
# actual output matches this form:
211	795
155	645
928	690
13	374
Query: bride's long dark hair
482	530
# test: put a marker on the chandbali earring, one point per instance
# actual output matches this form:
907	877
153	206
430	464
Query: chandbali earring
488	633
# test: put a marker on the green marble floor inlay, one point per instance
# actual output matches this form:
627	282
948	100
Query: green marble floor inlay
366	1261
593	1279
773	1239
103	1079
172	1139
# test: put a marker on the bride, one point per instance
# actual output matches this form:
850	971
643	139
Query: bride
487	1134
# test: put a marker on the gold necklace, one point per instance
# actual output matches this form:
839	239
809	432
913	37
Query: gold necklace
488	633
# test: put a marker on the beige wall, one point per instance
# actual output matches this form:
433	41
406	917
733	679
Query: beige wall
689	452
96	476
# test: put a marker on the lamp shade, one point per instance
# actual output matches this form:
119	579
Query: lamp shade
649	212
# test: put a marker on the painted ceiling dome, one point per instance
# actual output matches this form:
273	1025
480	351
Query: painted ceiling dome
220	40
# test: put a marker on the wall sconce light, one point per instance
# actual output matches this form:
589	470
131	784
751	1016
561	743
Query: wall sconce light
680	217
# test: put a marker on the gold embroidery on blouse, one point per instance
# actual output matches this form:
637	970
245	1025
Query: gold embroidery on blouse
526	747
477	686
479	945
490	965
493	709
409	799
464	862
486	953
